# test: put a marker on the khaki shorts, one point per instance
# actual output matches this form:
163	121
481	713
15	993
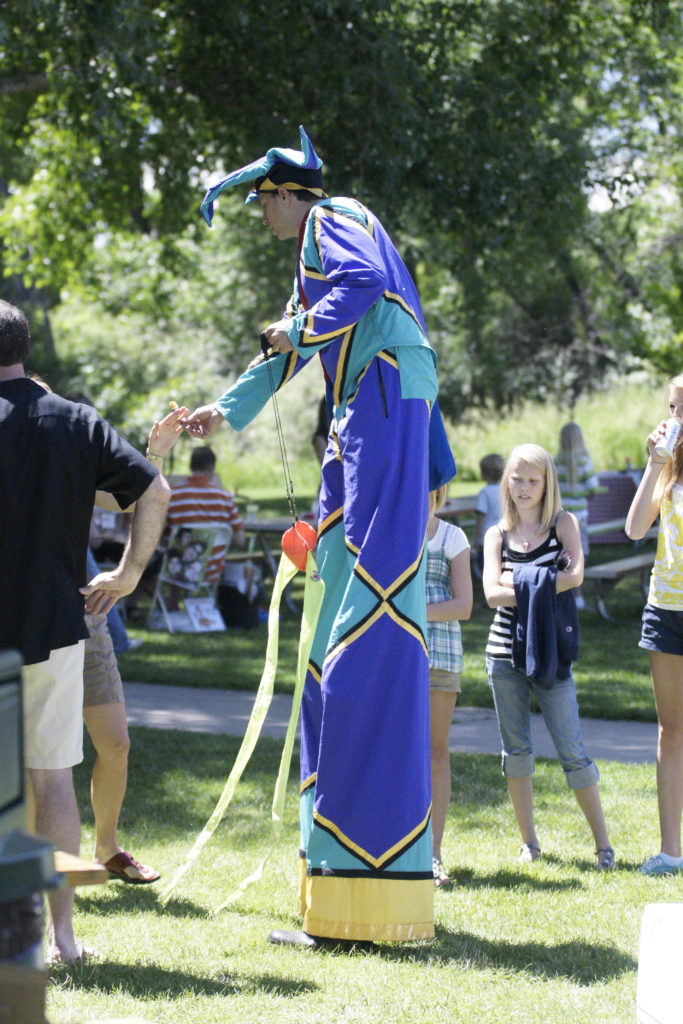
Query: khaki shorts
53	709
442	679
101	678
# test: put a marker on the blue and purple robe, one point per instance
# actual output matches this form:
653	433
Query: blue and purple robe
366	853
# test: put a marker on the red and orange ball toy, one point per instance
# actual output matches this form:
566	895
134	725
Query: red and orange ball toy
297	541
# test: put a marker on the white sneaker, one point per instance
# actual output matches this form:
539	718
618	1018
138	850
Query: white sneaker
661	864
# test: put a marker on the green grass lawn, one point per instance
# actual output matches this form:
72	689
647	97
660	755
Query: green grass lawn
547	943
611	674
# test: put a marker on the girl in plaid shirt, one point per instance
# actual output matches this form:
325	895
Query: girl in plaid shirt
449	600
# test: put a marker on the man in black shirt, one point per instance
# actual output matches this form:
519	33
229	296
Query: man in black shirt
54	455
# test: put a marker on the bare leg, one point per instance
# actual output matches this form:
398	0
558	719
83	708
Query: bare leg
667	682
522	797
56	819
108	729
588	800
441	707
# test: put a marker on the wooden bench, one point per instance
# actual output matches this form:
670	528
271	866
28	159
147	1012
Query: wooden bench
610	525
78	871
606	526
608	574
245	556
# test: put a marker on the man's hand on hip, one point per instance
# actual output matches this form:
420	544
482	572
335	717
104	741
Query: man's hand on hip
104	590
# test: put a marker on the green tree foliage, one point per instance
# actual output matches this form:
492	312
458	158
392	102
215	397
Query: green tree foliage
481	131
159	318
555	102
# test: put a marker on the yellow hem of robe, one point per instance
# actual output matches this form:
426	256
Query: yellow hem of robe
394	910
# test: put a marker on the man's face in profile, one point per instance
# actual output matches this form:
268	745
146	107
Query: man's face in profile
280	213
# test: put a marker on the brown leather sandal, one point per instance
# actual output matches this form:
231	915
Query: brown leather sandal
122	863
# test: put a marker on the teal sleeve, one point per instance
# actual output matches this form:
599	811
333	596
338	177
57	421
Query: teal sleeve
417	370
244	400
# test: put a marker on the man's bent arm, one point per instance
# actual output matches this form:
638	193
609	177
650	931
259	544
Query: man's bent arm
148	521
107	501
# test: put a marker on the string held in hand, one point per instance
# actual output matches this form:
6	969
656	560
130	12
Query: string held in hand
300	538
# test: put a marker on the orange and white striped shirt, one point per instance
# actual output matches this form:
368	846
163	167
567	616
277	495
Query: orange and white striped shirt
198	502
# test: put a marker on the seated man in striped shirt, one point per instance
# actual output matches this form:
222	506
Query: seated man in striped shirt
200	501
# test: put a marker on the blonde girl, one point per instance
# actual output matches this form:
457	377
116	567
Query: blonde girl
535	530
660	493
449	601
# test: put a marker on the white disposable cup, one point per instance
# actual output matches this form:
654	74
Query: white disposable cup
666	444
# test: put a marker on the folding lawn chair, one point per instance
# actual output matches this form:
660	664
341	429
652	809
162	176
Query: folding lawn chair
183	575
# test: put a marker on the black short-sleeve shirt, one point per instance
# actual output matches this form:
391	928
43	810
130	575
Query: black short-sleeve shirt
54	455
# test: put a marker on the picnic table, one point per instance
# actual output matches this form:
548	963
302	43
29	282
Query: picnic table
607	510
266	534
607	575
460	510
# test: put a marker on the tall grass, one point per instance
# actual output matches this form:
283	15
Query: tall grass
614	424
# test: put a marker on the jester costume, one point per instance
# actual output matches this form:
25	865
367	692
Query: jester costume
366	854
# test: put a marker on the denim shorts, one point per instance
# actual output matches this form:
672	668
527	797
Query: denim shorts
511	694
662	630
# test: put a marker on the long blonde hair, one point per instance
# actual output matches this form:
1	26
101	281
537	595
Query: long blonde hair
674	465
551	506
437	499
572	448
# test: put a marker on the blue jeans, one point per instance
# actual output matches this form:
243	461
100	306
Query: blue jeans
560	710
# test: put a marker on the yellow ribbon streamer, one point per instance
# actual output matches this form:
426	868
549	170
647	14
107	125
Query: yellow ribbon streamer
313	593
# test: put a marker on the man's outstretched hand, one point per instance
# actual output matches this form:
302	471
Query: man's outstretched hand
166	432
203	422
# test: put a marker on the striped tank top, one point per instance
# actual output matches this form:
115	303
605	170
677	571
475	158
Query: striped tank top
499	643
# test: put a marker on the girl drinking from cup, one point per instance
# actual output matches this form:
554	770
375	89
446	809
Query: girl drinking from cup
660	493
534	557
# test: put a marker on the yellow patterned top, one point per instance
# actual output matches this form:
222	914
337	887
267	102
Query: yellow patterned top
666	582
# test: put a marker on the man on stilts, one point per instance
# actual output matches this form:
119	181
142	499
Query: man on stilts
366	863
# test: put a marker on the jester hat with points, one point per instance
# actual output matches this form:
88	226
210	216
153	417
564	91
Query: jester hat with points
287	168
